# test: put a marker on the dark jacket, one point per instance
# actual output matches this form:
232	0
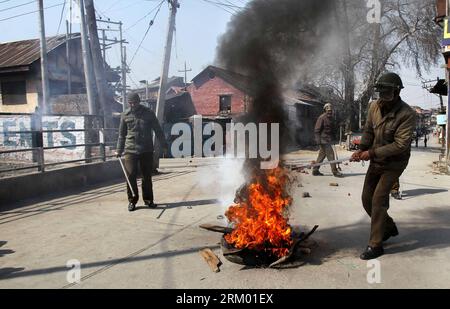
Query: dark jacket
136	131
324	129
388	138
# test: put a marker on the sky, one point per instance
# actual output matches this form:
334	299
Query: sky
199	25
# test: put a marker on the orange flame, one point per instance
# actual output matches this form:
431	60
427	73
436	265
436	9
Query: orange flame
260	216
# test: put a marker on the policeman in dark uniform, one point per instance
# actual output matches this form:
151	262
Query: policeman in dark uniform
324	131
386	142
136	143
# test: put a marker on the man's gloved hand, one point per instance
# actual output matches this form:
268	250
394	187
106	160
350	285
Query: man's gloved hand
118	154
365	156
356	157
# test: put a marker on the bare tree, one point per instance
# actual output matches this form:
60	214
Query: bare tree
406	37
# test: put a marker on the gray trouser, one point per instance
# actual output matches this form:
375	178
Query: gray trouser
326	151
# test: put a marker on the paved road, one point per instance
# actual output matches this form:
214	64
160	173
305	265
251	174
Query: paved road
159	248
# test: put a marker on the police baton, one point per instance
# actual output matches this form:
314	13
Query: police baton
295	166
126	177
337	157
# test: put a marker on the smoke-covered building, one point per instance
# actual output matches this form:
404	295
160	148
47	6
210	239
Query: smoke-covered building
303	106
221	95
20	76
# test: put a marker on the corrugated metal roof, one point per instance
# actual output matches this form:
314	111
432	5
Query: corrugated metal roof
171	81
24	53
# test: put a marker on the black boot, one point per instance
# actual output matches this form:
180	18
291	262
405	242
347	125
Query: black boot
131	207
372	253
317	173
338	174
151	205
392	233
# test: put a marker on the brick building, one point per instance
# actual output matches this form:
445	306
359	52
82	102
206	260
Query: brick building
220	94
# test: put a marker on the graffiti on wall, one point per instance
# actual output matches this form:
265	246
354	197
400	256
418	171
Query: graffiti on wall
14	134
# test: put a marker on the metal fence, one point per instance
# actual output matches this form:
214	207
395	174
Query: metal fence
98	142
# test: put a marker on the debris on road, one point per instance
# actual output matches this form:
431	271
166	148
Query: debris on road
212	259
334	184
306	194
216	228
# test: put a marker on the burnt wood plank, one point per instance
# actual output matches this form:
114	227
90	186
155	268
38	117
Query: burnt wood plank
212	259
216	228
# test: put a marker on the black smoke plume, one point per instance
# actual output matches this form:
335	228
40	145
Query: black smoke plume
269	41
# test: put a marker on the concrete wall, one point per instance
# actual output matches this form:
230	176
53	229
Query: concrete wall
16	189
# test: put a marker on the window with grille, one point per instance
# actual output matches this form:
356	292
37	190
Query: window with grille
225	103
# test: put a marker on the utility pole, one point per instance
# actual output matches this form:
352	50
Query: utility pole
185	75
87	61
124	78
44	70
104	47
68	37
98	64
123	57
447	135
107	43
166	62
447	125
69	68
165	72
